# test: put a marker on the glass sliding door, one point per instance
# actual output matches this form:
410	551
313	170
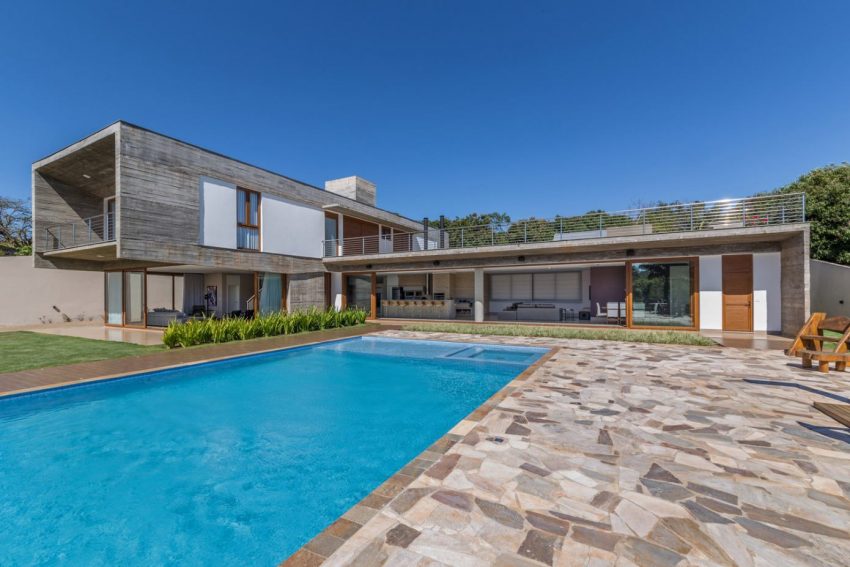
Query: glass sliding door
359	292
114	298
662	294
134	298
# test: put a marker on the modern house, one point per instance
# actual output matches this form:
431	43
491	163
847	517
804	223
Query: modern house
180	231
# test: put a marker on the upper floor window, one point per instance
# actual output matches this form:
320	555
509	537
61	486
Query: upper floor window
247	219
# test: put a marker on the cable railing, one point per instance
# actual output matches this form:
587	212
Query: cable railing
84	232
726	214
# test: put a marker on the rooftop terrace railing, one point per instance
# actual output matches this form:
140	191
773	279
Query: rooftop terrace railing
84	232
726	214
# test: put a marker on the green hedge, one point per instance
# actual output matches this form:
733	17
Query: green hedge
203	331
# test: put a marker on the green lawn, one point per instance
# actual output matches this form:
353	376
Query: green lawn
22	350
660	337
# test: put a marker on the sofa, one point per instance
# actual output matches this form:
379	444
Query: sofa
161	317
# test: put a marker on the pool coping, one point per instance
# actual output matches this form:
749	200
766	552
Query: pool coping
324	544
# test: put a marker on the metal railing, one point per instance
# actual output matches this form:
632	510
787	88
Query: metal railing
725	214
84	232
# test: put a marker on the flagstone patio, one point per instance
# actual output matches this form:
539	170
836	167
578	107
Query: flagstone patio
623	454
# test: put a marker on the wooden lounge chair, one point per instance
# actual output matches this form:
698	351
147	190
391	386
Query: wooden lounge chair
838	412
810	341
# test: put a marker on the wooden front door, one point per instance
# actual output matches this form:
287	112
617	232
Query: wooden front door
738	293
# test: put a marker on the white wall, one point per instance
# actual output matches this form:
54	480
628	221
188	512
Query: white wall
830	288
218	213
767	294
290	228
710	292
29	296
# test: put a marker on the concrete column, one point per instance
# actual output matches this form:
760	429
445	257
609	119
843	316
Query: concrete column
479	294
794	287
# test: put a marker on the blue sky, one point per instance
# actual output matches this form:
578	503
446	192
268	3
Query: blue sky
534	108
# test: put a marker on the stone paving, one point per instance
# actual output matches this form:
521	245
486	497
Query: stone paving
628	454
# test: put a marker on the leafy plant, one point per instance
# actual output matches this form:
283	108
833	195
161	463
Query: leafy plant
15	227
209	330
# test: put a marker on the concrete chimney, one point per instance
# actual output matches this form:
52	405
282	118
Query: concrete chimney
353	187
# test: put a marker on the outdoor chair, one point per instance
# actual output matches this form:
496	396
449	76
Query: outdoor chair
810	341
614	311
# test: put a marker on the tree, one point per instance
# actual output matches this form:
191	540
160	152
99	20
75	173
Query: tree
827	192
478	229
15	227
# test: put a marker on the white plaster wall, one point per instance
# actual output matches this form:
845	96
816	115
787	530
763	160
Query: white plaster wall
767	294
710	292
30	296
830	288
292	229
218	213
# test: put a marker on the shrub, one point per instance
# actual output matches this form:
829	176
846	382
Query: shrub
202	331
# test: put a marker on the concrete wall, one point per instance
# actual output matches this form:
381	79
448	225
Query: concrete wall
159	207
794	260
306	290
830	284
29	296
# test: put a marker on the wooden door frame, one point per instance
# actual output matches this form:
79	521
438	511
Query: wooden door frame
694	274
284	288
723	295
124	324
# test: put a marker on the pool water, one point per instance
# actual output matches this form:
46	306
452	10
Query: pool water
230	463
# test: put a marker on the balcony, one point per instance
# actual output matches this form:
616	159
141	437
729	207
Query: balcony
706	216
99	229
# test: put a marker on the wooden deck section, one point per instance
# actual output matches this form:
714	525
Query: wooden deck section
838	412
40	378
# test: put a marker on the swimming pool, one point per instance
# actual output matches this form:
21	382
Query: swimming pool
238	462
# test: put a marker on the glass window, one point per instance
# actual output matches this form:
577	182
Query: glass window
359	292
134	298
114	298
247	219
661	294
331	234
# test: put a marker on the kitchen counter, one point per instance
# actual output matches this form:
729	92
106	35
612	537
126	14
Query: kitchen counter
418	308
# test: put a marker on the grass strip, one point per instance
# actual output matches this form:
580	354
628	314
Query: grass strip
623	335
